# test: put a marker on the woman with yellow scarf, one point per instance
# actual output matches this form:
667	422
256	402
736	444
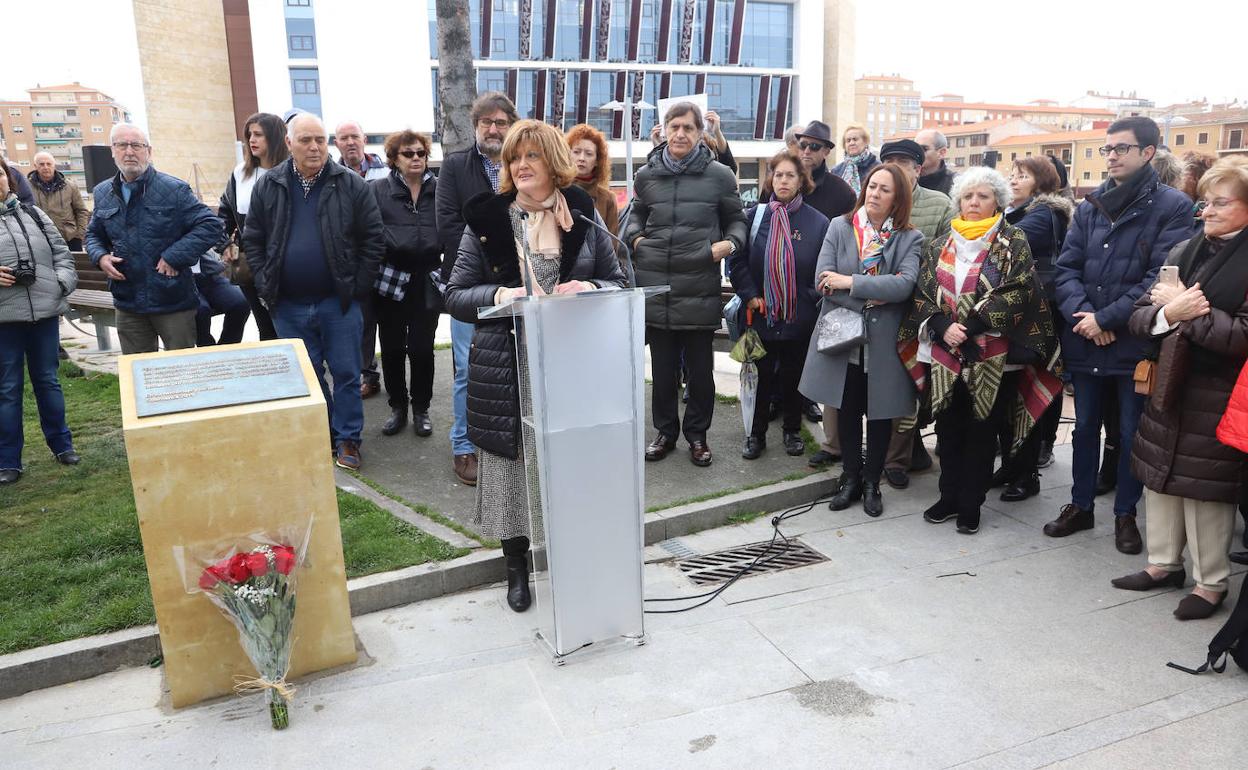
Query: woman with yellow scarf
979	339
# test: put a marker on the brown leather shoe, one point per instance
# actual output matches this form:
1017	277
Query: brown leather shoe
659	448
1072	519
1127	535
348	456
1194	607
1142	581
369	389
699	453
466	469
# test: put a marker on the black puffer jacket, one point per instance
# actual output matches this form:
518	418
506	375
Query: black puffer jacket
410	232
350	231
678	218
487	260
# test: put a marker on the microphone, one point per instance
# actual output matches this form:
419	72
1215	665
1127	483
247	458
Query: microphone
629	273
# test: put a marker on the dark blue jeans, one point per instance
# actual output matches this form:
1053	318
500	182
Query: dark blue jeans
332	338
35	345
1086	440
217	295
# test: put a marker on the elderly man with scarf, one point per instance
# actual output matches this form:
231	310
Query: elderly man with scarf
685	218
1116	244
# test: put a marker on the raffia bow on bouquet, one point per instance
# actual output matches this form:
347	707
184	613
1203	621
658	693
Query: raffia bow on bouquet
254	586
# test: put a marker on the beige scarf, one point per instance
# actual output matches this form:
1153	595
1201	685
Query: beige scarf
546	219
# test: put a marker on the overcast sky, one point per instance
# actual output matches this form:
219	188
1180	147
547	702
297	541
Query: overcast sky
1001	52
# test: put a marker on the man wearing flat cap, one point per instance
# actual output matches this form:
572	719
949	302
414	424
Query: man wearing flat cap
832	197
932	214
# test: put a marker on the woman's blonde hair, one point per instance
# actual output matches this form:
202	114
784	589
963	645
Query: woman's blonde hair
548	141
866	135
1231	170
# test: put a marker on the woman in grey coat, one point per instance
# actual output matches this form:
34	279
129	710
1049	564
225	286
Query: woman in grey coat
869	263
36	276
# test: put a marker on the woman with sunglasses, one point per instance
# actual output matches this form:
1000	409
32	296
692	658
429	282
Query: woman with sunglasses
407	311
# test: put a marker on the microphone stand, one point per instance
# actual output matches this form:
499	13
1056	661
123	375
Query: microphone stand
630	273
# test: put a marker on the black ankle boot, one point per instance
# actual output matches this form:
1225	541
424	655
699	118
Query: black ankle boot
518	596
849	493
1027	486
872	500
396	423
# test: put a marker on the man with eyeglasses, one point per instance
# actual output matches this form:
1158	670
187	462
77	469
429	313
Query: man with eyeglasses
147	231
1120	236
313	239
351	142
464	174
832	197
934	175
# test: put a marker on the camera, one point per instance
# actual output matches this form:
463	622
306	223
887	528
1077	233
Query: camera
24	273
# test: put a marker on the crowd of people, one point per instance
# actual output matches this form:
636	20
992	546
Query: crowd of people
889	293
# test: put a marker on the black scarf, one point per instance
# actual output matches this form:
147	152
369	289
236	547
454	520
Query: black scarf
1116	196
48	188
1221	268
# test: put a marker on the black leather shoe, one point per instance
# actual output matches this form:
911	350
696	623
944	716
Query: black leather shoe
396	423
422	423
822	459
753	447
9	475
518	596
1000	477
659	448
939	513
849	493
68	457
699	453
872	500
897	478
794	446
1046	455
813	413
1072	519
1127	535
1028	486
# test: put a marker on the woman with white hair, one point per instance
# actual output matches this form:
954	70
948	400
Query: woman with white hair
981	321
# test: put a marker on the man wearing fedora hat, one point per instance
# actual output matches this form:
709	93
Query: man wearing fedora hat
932	214
832	197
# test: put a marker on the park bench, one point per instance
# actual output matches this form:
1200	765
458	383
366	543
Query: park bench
92	300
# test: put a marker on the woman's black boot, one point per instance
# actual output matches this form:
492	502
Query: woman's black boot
518	596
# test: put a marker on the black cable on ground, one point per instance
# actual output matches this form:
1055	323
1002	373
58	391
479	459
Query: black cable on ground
762	559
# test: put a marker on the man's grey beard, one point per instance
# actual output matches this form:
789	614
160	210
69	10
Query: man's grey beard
492	147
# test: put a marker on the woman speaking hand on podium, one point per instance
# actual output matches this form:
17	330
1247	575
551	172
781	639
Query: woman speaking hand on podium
532	234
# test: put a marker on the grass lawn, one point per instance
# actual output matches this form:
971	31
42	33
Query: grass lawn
71	561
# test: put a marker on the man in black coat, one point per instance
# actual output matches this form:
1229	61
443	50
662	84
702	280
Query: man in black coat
934	175
313	240
464	175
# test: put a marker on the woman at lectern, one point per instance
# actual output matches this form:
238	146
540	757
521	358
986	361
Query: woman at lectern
540	234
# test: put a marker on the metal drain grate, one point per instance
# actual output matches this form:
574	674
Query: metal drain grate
723	565
677	548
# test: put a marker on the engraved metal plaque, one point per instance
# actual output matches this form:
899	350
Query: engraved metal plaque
210	379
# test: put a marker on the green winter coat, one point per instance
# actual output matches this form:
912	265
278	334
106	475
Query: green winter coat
932	214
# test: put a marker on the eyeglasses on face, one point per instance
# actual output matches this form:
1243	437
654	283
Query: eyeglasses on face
129	145
486	123
409	154
813	146
1118	149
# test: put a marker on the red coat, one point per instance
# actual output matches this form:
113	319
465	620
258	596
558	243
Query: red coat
1233	429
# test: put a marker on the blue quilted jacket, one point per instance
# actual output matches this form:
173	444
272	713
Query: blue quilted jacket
163	219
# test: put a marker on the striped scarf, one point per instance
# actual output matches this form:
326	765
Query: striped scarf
871	242
780	281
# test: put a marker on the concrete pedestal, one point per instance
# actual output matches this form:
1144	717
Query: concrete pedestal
202	478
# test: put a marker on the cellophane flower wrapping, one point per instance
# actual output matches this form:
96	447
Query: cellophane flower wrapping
253	583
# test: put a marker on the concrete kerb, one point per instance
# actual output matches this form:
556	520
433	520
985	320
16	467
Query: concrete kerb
78	659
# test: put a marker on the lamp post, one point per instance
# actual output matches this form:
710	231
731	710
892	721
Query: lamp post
627	107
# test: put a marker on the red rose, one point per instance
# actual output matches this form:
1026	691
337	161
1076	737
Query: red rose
208	579
257	563
285	556
237	571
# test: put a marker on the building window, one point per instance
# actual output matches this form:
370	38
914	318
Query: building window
1066	156
19	146
302	43
93	112
1013	156
97	129
1087	153
977	159
1202	138
1104	175
960	141
299	3
979	140
959	162
1087	175
72	112
304	86
19	130
1179	140
15	112
1236	139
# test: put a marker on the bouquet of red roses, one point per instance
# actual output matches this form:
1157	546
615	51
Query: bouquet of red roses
256	590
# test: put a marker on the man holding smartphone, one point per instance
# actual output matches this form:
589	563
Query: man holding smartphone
1120	236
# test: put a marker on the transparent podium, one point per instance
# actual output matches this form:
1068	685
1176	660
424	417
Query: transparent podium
581	376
